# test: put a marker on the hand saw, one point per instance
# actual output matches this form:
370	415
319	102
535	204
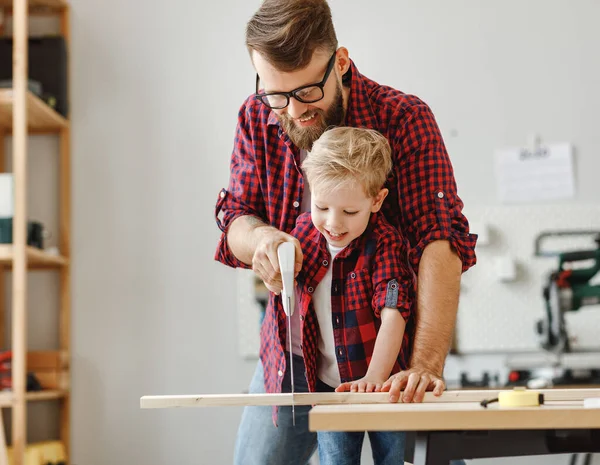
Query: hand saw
286	253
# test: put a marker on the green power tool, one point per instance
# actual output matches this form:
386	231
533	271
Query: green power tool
568	288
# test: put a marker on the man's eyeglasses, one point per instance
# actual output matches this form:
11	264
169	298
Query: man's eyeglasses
306	94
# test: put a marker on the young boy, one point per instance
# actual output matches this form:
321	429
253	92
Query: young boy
355	291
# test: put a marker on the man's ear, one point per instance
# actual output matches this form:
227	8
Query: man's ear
378	200
342	60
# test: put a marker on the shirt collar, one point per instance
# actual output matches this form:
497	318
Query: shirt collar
359	113
357	243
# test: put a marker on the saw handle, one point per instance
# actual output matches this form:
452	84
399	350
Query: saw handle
286	254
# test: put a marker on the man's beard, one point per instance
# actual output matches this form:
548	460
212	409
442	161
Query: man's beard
305	137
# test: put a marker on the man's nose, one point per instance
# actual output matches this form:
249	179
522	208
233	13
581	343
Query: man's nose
296	109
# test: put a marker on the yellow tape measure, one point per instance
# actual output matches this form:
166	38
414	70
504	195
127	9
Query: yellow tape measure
518	397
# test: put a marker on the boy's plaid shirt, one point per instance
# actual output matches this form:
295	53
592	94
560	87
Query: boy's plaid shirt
371	273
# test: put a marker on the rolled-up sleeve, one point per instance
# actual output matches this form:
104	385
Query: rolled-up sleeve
431	208
243	196
393	279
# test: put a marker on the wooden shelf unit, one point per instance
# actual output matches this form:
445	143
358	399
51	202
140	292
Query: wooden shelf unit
22	114
7	399
36	258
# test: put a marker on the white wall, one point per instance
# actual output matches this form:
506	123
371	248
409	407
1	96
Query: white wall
156	88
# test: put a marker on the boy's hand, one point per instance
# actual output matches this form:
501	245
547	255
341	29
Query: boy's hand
366	384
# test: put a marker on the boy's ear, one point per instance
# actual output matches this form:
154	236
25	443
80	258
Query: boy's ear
378	200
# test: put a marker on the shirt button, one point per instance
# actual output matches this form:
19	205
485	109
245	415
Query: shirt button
325	263
440	195
296	204
353	275
340	351
222	194
394	286
301	318
310	290
280	373
337	320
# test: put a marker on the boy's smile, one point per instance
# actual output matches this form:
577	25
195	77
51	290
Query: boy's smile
342	214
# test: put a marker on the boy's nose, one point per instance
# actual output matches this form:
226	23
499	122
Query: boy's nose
334	223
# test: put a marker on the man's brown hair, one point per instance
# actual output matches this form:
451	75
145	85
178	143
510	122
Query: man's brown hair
287	32
349	155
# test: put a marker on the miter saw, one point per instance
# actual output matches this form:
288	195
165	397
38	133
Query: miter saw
568	288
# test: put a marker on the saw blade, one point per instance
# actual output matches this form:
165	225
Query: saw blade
289	318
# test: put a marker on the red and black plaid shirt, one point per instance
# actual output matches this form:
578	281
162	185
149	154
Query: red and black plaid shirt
371	273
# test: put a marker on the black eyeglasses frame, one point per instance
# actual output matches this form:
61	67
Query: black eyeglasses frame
263	98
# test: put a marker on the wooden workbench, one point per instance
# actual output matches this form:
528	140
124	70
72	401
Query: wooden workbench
453	425
465	430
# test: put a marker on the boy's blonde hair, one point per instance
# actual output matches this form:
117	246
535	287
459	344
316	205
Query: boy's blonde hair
344	154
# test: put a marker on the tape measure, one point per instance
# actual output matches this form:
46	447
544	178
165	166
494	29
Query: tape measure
518	397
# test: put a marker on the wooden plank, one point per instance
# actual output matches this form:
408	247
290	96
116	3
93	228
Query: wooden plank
3	448
52	379
65	243
464	416
6	397
19	279
47	360
36	5
328	398
36	258
40	117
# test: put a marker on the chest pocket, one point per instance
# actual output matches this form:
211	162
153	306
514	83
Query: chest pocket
359	290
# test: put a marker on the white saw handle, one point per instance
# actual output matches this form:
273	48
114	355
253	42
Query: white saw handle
286	253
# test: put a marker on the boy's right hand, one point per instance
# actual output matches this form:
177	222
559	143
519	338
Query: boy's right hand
265	262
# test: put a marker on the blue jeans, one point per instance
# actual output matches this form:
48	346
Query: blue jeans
345	448
259	442
342	448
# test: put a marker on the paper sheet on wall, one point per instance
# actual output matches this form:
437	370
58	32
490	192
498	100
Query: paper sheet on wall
545	173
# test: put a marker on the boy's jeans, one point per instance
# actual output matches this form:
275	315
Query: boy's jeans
345	448
259	442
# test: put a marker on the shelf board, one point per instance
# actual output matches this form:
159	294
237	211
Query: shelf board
6	397
39	5
36	258
41	117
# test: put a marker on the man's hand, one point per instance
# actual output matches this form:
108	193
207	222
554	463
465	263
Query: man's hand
265	262
414	382
366	384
